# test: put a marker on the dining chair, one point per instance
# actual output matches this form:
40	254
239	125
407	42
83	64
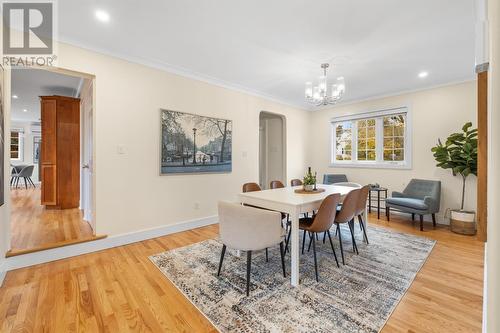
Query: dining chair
251	187
361	209
276	184
321	222
26	173
296	182
249	229
346	216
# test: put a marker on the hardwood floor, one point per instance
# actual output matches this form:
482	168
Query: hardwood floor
35	228
120	290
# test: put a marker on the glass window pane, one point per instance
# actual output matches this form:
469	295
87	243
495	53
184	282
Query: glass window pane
371	155
399	155
361	144
399	131
361	155
388	155
343	139
399	143
388	131
388	143
370	144
371	132
361	133
371	122
361	123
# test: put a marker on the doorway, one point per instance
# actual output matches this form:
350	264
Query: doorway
52	182
272	148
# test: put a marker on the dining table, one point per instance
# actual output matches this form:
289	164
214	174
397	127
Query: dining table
287	200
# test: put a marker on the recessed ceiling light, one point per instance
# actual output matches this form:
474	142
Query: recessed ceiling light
24	110
14	96
102	15
423	74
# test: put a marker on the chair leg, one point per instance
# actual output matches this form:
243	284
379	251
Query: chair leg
351	228
32	183
324	237
288	240
333	249
337	230
282	253
315	260
25	183
311	235
303	241
341	247
421	222
267	255
362	225
221	258
434	220
17	182
249	268
413	216
388	213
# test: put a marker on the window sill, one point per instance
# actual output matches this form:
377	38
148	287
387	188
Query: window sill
405	166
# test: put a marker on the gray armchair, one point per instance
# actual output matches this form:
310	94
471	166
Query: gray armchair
334	178
420	197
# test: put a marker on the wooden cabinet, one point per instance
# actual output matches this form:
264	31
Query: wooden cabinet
60	151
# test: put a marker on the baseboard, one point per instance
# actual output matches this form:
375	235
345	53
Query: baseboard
41	257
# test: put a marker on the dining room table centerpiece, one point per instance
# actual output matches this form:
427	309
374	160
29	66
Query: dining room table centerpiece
309	183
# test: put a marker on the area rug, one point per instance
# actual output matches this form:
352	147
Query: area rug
357	297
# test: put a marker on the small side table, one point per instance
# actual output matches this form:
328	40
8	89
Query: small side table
378	190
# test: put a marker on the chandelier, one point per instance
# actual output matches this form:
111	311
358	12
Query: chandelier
319	95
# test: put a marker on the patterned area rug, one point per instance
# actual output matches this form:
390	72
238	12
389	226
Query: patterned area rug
357	297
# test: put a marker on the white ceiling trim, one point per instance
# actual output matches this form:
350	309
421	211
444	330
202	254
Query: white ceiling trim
176	70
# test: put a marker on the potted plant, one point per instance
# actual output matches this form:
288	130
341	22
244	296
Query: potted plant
459	153
309	181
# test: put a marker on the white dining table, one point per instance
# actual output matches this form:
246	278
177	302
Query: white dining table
287	201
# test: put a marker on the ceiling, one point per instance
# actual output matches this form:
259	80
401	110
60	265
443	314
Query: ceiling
29	84
272	48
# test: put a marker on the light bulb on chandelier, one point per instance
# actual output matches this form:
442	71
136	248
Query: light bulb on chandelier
319	95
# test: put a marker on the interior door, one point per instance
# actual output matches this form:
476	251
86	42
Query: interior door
87	152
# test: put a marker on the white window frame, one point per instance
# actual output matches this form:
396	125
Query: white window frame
20	133
379	140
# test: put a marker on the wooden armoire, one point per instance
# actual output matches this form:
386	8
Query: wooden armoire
60	152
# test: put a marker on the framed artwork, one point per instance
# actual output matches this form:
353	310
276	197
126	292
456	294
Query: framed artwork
194	144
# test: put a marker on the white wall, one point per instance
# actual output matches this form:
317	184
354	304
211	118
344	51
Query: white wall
493	246
5	208
130	194
29	132
436	113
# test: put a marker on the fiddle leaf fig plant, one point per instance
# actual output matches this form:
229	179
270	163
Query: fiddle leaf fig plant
459	153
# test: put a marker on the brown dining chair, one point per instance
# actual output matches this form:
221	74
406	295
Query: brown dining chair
296	182
251	187
276	184
346	215
361	208
321	222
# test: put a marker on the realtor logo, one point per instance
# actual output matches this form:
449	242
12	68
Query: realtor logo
28	33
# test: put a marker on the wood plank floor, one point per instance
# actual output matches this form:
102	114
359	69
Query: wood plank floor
34	227
120	290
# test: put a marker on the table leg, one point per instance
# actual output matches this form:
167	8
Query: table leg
370	201
378	205
295	249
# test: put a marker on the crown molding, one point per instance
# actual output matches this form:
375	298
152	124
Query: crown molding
184	72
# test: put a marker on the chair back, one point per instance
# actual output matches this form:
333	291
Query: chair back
348	184
334	178
276	184
324	218
296	182
362	198
422	188
247	228
251	187
348	210
27	171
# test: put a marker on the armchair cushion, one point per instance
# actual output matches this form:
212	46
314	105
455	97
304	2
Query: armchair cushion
415	204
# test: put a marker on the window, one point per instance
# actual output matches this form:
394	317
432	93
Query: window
16	144
343	146
381	139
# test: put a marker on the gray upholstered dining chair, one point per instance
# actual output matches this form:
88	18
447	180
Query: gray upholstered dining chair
420	197
334	178
249	229
26	173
